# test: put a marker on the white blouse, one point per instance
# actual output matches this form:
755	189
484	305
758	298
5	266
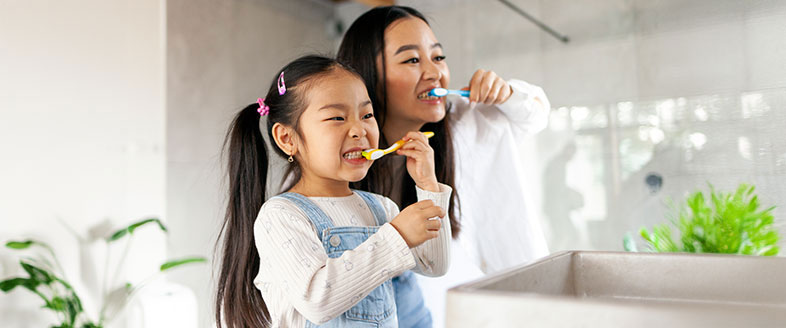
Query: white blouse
499	227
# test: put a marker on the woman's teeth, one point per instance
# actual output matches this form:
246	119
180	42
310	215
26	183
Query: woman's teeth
353	155
424	96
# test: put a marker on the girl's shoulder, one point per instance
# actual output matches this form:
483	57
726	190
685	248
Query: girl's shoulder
280	213
278	206
381	198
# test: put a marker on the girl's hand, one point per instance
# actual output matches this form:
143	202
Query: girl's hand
414	223
420	160
488	88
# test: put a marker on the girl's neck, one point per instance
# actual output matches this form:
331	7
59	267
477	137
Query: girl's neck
311	187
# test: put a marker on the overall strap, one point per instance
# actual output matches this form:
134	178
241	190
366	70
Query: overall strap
318	217
374	205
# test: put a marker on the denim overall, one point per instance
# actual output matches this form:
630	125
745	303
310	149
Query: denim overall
400	294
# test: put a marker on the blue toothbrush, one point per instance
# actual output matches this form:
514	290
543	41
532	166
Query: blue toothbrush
441	92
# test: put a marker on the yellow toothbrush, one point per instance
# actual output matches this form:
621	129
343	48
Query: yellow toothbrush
374	154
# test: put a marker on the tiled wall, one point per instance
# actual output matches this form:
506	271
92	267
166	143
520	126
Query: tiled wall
629	64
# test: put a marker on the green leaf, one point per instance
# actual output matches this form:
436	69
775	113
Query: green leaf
10	284
57	303
19	244
37	274
629	244
174	263
130	229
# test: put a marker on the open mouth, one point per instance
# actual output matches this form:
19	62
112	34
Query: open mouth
424	96
353	155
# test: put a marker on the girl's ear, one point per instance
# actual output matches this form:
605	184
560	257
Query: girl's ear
285	138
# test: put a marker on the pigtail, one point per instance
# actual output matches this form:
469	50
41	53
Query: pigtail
247	170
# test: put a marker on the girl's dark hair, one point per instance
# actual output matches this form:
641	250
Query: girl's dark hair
363	43
238	302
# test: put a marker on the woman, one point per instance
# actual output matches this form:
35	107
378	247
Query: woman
476	143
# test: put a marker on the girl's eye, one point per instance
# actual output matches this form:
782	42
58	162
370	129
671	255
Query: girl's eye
368	116
412	61
439	58
337	118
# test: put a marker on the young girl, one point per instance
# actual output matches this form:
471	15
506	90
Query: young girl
325	254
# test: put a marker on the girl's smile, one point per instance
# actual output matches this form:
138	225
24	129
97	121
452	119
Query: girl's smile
353	157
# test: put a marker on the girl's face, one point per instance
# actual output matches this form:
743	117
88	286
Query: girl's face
414	65
335	127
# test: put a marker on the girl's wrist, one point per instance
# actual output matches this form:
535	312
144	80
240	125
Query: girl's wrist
432	186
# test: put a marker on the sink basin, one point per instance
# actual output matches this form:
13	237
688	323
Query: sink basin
617	289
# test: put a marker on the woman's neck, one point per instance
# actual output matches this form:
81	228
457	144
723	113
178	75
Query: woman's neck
394	129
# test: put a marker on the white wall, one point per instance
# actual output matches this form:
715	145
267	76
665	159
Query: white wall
221	55
81	131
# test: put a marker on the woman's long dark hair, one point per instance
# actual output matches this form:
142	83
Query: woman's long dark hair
362	44
238	302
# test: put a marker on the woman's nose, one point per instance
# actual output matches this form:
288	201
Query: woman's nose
431	71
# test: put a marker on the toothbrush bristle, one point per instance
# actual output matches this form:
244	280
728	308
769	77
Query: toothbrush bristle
438	92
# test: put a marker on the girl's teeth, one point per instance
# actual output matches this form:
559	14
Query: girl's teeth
353	155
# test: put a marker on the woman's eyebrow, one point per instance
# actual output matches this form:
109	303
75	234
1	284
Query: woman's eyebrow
415	47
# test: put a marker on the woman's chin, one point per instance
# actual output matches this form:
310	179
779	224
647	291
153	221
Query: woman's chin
434	116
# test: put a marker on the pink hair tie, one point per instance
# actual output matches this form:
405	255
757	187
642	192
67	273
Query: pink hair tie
263	109
282	88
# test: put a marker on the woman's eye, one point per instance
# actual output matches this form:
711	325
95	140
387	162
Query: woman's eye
412	61
337	118
439	58
368	116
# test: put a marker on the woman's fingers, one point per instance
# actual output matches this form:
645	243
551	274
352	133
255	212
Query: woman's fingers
488	88
496	90
474	85
504	93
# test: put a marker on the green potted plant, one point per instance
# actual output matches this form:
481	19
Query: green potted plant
46	278
730	223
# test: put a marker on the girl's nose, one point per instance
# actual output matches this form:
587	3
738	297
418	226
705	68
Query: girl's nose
357	132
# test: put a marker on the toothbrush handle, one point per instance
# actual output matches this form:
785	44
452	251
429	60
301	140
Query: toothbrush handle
463	93
400	143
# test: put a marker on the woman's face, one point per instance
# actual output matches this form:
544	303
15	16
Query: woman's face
414	65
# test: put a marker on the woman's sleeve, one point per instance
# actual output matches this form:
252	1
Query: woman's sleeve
322	288
527	108
432	258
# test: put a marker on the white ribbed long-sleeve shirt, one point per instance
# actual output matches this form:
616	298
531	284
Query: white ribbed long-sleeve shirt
298	280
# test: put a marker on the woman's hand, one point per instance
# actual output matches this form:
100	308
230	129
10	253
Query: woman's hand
488	88
420	160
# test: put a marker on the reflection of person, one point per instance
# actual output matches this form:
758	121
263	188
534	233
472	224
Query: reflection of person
325	254
400	59
565	200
